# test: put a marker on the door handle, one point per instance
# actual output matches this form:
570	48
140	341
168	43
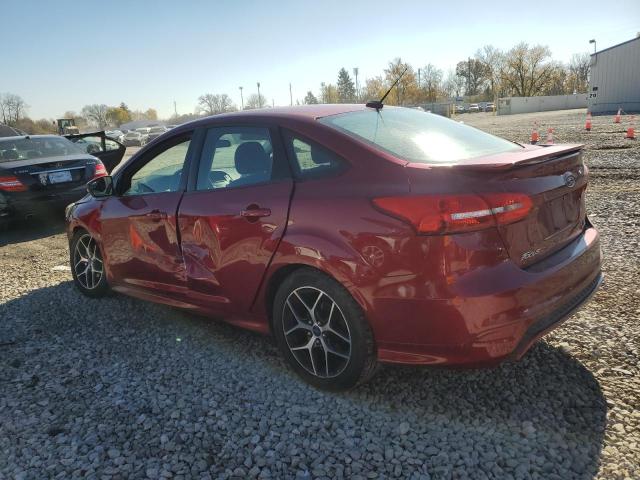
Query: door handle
156	215
251	213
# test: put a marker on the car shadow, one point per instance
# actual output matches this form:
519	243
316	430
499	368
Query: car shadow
33	228
544	416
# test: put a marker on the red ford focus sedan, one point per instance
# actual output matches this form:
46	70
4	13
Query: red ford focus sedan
353	235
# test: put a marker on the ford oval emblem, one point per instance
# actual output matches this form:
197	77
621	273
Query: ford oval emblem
569	180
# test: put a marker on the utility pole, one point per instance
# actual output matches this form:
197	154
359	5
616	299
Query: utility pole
290	94
418	79
259	97
241	99
175	109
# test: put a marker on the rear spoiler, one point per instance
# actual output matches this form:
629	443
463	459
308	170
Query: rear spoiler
529	155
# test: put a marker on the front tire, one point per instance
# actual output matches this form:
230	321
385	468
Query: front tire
322	332
87	266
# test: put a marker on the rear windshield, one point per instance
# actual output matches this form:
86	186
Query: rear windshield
418	136
21	148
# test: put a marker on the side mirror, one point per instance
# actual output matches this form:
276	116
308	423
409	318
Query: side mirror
100	187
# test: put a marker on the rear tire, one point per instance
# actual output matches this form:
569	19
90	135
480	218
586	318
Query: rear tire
322	331
87	266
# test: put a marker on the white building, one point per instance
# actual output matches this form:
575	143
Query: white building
615	78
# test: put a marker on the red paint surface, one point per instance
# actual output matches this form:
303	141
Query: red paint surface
465	298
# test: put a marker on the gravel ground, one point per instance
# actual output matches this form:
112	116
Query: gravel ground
120	388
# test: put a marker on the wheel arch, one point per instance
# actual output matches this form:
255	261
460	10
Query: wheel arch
282	271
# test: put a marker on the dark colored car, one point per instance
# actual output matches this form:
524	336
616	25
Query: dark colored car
116	135
41	173
354	236
134	138
155	132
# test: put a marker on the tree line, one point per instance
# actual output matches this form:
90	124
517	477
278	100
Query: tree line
521	71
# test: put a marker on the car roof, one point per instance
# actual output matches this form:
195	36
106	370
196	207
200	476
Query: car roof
307	112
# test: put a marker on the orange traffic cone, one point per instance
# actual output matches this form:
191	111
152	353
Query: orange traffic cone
550	136
587	125
631	134
534	134
616	119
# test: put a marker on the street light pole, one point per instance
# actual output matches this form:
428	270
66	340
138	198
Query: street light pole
259	97
241	99
593	40
290	94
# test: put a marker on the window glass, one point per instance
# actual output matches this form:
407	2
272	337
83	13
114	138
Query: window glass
162	173
111	145
419	136
22	148
235	157
312	160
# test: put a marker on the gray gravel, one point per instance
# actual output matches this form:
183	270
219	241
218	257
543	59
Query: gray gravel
120	388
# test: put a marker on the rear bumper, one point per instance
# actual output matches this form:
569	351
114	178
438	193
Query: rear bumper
22	206
494	313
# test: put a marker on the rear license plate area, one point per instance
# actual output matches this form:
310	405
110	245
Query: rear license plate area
60	177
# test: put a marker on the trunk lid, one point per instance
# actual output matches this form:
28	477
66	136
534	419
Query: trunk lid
555	178
47	175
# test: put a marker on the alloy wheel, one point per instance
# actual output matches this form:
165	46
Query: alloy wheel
316	332
87	262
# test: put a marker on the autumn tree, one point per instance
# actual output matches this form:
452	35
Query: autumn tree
12	108
310	98
453	84
431	82
212	104
475	74
151	114
255	101
346	87
329	93
374	88
406	90
492	59
578	74
527	70
118	115
96	114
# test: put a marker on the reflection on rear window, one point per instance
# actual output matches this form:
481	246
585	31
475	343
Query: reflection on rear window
417	136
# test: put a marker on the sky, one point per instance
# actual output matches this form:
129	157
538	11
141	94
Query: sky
61	56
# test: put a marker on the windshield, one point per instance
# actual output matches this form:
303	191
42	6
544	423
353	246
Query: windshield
417	136
157	130
22	148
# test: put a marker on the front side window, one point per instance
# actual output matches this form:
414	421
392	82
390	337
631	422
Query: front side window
417	136
162	173
235	157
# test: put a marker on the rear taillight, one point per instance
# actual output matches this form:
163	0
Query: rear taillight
439	214
11	184
100	171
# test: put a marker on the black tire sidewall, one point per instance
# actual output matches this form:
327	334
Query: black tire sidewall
103	287
362	346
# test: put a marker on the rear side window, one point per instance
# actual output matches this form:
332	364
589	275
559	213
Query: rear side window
417	136
312	160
